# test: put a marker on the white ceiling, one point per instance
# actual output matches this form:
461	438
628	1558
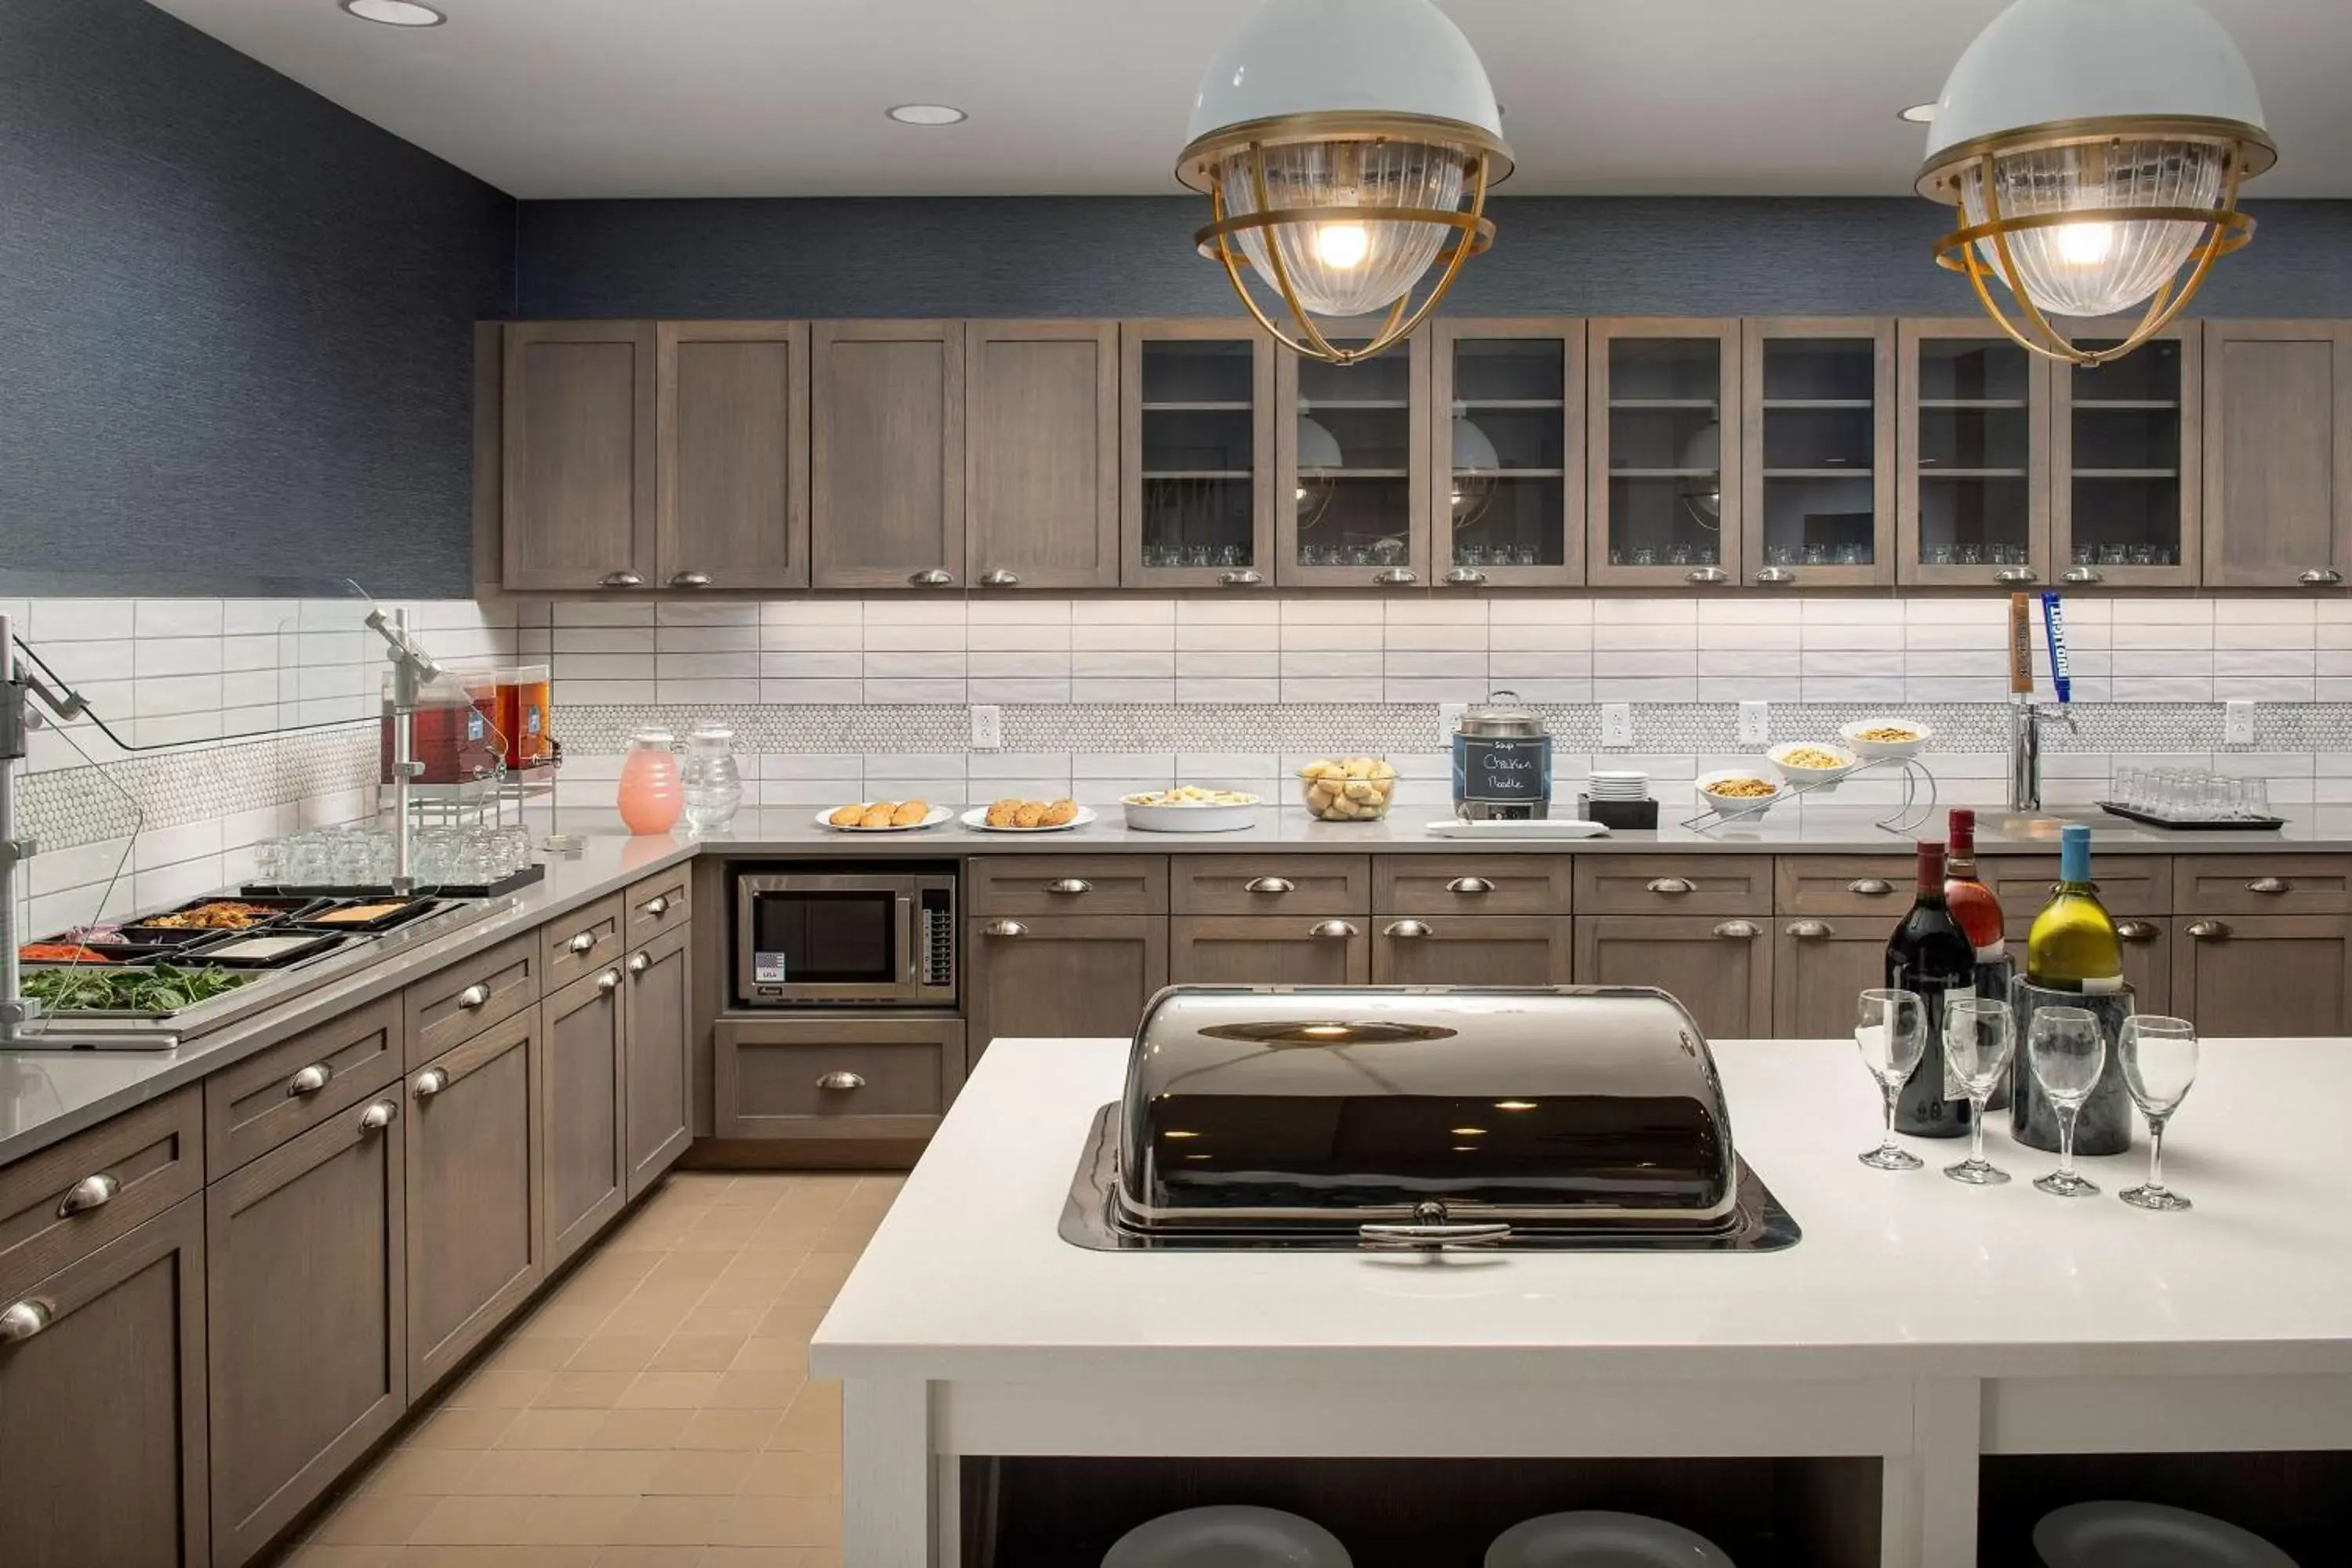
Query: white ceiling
773	98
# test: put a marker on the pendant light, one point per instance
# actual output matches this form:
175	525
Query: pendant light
1346	147
2094	149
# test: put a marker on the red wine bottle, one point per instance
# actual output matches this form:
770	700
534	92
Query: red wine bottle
1930	954
1972	903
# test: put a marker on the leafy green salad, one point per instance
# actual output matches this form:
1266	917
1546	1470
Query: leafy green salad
163	988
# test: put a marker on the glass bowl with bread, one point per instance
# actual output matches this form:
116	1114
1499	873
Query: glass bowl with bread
1738	791
1877	740
1348	789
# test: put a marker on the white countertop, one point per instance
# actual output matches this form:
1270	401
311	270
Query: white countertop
1899	1274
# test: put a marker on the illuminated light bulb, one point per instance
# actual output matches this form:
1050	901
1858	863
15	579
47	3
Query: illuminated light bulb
2084	244
1342	245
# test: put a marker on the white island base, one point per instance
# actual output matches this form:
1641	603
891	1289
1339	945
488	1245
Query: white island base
1884	1388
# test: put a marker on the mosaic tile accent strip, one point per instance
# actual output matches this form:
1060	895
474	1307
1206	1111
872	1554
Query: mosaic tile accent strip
68	806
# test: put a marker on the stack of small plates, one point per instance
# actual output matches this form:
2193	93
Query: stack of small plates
1617	786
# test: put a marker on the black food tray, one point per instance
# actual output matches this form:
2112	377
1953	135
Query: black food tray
504	885
2191	825
413	908
318	943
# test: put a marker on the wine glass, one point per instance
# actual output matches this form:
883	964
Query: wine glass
2065	1052
1891	1028
1979	1037
2160	1062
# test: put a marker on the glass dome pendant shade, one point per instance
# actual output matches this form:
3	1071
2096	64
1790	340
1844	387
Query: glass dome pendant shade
2094	149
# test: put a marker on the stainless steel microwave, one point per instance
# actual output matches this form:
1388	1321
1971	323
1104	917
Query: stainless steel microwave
879	936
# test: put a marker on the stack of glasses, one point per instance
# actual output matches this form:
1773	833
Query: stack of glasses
359	856
2191	794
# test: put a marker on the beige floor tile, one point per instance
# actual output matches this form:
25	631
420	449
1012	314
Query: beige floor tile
746	1290
551	1429
769	1557
676	1269
600	1292
498	1556
492	1389
491	1520
561	1321
650	1556
763	1259
662	1313
676	1520
613	1472
764	1353
538	1353
373	1519
460	1429
815	1474
578	1520
781	1521
318	1555
755	1391
737	1321
614	1352
527	1472
582	1390
421	1472
638	1428
727	1429
793	1322
695	1352
670	1390
702	1474
607	1265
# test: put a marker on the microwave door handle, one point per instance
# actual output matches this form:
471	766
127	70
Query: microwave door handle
913	928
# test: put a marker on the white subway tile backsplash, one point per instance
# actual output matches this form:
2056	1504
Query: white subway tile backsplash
741	636
710	666
1009	689
1228	636
1123	689
1143	634
811	613
1127	664
912	690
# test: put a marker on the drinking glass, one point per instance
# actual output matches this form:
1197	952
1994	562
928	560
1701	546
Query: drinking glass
2258	797
2066	1051
2160	1062
1891	1028
1979	1038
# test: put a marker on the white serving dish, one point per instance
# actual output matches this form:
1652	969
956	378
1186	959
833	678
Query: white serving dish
1822	780
1596	1538
977	818
1735	804
937	815
1548	828
2147	1535
1228	1537
1202	818
1879	750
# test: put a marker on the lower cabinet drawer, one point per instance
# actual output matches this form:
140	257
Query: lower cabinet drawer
835	1078
70	1199
263	1100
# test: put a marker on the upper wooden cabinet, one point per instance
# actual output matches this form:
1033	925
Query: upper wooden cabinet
1817	452
2278	471
1972	438
1506	453
733	454
2125	457
1040	454
1663	486
1196	455
578	456
1353	456
886	454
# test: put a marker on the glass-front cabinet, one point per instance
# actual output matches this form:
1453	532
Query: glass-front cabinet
2125	447
1973	495
1507	458
1818	437
1355	468
1662	488
1197	504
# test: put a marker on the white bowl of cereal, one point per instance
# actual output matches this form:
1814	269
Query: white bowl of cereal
1875	740
1189	808
1812	764
1737	791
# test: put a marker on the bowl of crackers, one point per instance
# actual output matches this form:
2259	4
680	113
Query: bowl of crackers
883	816
1348	789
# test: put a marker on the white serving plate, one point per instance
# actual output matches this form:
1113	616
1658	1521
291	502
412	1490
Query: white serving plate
2148	1536
1228	1537
1736	806
977	818
1548	828
1879	750
937	815
1598	1538
1193	818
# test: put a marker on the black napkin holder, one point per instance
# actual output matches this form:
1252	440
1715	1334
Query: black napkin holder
1618	814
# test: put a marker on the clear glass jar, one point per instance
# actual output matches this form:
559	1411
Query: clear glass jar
651	794
712	783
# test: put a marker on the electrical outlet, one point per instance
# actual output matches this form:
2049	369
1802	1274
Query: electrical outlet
2238	723
1449	719
987	729
1616	723
1755	723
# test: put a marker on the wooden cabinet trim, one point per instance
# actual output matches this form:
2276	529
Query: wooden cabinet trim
835	514
1003	540
604	1156
256	1104
1879	331
1270	884
1719	885
153	1152
2329	512
515	434
1437	429
1602	330
675	550
1287	571
1337	950
1132	337
602	922
2198	950
657	903
1911	569
1024	885
508	977
2190	571
1451	885
837	1044
657	1052
1866	885
1750	939
1145	935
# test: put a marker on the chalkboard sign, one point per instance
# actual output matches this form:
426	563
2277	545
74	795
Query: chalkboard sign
1509	770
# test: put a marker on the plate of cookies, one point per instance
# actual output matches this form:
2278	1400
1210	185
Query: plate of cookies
883	816
1015	815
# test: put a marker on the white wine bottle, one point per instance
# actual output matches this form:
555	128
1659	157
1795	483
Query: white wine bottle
2074	945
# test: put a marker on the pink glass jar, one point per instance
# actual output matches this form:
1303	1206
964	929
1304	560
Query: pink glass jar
650	796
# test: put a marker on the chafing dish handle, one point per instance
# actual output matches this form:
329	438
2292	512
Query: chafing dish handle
1428	1237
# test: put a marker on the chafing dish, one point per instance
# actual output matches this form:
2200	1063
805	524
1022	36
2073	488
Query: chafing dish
1422	1117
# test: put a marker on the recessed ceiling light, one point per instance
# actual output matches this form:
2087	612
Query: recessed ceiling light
927	114
394	12
1917	114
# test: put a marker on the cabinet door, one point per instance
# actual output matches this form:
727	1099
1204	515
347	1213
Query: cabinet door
1052	975
1663	480
2148	955
1196	455
841	1076
306	1252
1267	950
102	1416
1817	452
578	502
473	1131
1353	458
583	1168
2278	453
1472	950
885	454
733	454
1972	497
2264	974
1506	453
1040	454
1721	970
1818	967
658	1057
2127	455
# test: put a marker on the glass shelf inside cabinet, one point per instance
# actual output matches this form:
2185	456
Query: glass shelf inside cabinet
1508	481
1974	452
1665	445
1820	439
1354	493
2124	474
1200	457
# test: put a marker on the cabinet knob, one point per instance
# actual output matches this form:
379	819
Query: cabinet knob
1469	887
1708	576
1330	929
2320	577
1465	577
932	578
1774	577
477	995
1811	930
25	1319
2014	574
1269	885
1000	578
1740	931
839	1082
656	906
2207	930
1241	578
1406	929
1005	928
1870	886
1069	887
609	981
1672	887
2136	931
689	579
431	1081
309	1081
379	1116
620	580
584	942
89	1192
2082	575
2271	885
640	962
1396	577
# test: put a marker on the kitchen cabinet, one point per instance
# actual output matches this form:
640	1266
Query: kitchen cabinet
1472	950
732	455
2278	453
1818	967
1308	883
1506	453
582	1167
886	454
835	1077
103	1417
2127	455
1062	974
1721	970
1269	950
1663	483
577	506
657	1058
1352	456
1719	885
1519	884
1817	452
2263	975
475	1231
1196	455
1024	885
1040	454
258	1104
2148	946
64	1201
307	1305
1972	444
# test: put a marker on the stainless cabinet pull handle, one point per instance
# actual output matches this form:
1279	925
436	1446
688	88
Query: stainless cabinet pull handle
1069	887
89	1192
609	981
1269	885
478	994
309	1081
1464	577
2273	886
1396	577
2320	577
1672	886
1773	578
2136	931
1870	886
640	962
656	906
584	942
1811	930
1708	576
25	1319
932	578
2015	574
1000	578
1243	577
1427	1237
2207	930
1005	928
1738	930
1469	887
379	1115
840	1082
1330	929
431	1081
620	580
1406	929
689	579
2082	575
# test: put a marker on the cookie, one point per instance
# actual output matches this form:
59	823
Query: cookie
1002	812
879	814
1031	815
1059	814
910	812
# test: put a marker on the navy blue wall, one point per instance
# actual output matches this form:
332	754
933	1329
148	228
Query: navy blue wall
237	319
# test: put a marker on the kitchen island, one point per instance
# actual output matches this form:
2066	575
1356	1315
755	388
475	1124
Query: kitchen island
1931	1363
